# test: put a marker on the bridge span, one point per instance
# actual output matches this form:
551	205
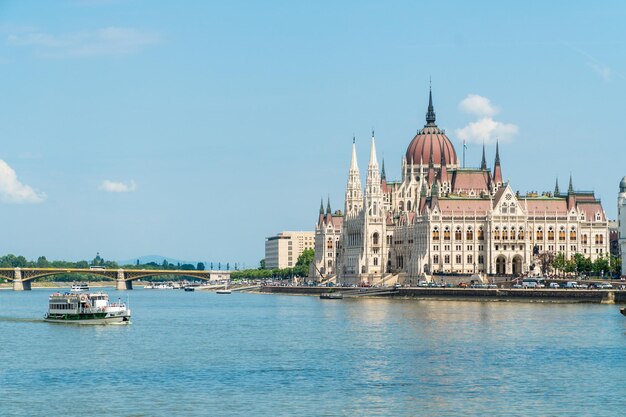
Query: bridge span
22	277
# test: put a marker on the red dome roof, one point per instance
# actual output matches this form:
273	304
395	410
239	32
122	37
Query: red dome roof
431	137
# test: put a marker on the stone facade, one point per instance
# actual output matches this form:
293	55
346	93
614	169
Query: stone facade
442	219
621	222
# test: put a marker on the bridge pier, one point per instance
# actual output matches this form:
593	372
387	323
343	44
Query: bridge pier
19	285
123	285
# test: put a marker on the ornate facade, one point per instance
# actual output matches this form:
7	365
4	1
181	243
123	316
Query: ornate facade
441	218
621	222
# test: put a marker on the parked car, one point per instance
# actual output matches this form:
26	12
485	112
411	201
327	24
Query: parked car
554	285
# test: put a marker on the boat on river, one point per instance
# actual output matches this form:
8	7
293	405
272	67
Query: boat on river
93	308
623	310
79	287
225	290
331	296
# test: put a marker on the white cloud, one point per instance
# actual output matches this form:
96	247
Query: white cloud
487	130
105	41
118	187
478	106
13	191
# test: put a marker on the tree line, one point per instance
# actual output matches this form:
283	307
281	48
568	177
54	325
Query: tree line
301	269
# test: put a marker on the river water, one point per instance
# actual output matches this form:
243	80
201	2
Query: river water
203	354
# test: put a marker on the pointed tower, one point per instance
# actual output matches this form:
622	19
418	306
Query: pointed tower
322	206
443	173
557	192
431	168
430	113
372	185
354	194
483	163
328	206
571	197
497	170
374	219
382	175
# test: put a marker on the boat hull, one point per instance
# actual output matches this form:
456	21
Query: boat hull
117	319
623	310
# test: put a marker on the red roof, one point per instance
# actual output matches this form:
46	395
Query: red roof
427	138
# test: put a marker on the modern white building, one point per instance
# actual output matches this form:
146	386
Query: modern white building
441	218
621	222
283	250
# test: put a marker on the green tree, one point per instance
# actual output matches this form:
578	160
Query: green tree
559	262
42	262
616	265
262	264
601	265
200	266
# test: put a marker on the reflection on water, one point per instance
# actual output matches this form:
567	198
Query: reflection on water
196	354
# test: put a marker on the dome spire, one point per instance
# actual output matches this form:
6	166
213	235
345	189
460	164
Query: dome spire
430	114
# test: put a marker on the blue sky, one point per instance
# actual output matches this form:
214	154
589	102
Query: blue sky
196	129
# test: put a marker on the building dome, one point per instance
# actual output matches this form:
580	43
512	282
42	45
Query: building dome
431	141
622	185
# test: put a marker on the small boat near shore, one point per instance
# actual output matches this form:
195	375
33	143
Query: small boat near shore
331	296
93	308
225	290
623	311
79	287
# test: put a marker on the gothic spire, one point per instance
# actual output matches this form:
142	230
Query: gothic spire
570	189
328	206
497	154
483	163
430	114
383	176
556	188
322	206
353	164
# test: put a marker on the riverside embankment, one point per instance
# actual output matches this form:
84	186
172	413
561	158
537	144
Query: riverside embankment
478	294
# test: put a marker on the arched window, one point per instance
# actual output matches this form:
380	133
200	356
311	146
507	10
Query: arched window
496	233
512	208
329	244
375	238
469	235
401	205
562	234
330	263
539	233
584	240
572	234
512	233
375	261
520	234
505	234
550	233
504	208
435	233
599	239
481	234
458	235
408	205
446	233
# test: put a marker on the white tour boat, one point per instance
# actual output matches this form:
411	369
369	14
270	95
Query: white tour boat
93	308
79	287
